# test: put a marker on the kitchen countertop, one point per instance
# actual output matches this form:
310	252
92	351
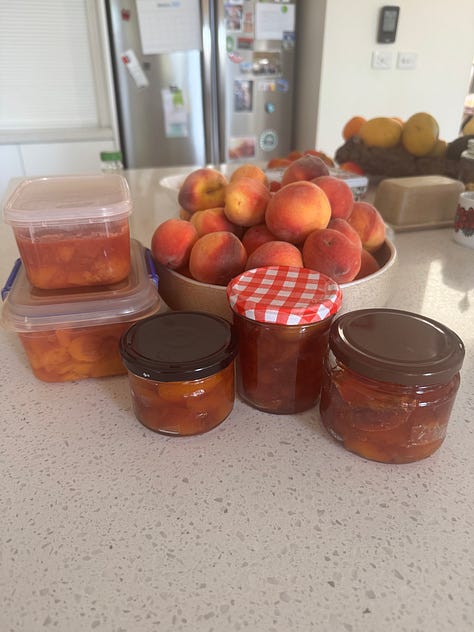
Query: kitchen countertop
264	524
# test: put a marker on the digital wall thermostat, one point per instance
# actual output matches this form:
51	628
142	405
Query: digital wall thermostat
388	22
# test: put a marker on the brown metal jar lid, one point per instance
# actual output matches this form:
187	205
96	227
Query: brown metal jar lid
178	346
396	346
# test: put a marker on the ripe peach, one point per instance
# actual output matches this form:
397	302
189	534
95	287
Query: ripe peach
296	210
294	155
201	189
182	214
246	201
330	252
255	236
275	253
274	186
172	241
314	152
250	171
217	257
307	167
368	264
339	194
212	220
368	222
352	167
277	163
344	227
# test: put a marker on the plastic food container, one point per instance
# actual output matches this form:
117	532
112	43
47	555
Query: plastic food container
282	315
389	384
74	334
72	230
181	371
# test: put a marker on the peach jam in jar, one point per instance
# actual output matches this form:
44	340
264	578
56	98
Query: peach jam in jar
389	384
282	315
181	371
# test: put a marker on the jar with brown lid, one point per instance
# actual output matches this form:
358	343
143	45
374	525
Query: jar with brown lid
389	383
181	371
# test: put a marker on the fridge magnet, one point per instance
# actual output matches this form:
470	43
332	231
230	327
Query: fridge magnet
267	85
229	43
242	147
233	17
265	63
235	58
282	85
268	140
245	67
243	95
175	114
248	21
245	43
288	40
132	64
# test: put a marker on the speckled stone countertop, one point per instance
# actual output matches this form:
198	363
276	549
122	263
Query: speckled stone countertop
264	524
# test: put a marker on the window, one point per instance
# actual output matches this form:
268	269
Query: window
51	66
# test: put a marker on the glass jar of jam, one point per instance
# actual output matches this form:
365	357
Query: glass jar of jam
282	315
389	383
181	371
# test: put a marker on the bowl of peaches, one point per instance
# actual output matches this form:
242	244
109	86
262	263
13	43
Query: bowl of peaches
307	218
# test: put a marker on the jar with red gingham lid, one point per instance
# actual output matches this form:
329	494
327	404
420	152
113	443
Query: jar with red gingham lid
282	315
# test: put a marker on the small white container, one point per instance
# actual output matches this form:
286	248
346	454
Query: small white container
72	231
464	220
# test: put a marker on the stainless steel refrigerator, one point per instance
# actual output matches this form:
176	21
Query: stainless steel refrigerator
203	81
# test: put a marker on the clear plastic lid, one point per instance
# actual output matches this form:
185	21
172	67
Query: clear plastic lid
73	199
28	309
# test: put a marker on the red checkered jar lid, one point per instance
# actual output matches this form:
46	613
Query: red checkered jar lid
284	295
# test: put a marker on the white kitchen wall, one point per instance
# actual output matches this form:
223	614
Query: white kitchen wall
338	81
334	77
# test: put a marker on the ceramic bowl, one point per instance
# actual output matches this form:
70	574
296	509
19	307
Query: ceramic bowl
182	293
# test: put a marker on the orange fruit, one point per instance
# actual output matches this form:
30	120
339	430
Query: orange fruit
352	167
420	133
352	127
381	131
439	149
294	155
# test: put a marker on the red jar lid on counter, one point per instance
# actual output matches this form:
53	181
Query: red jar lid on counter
284	295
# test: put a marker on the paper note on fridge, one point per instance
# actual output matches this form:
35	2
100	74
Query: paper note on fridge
133	66
273	20
166	27
175	113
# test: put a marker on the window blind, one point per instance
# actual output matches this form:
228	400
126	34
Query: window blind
46	67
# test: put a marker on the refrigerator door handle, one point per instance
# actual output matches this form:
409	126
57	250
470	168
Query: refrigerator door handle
210	94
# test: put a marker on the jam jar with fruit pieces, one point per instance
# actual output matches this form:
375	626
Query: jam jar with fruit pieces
181	371
282	315
389	384
72	231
